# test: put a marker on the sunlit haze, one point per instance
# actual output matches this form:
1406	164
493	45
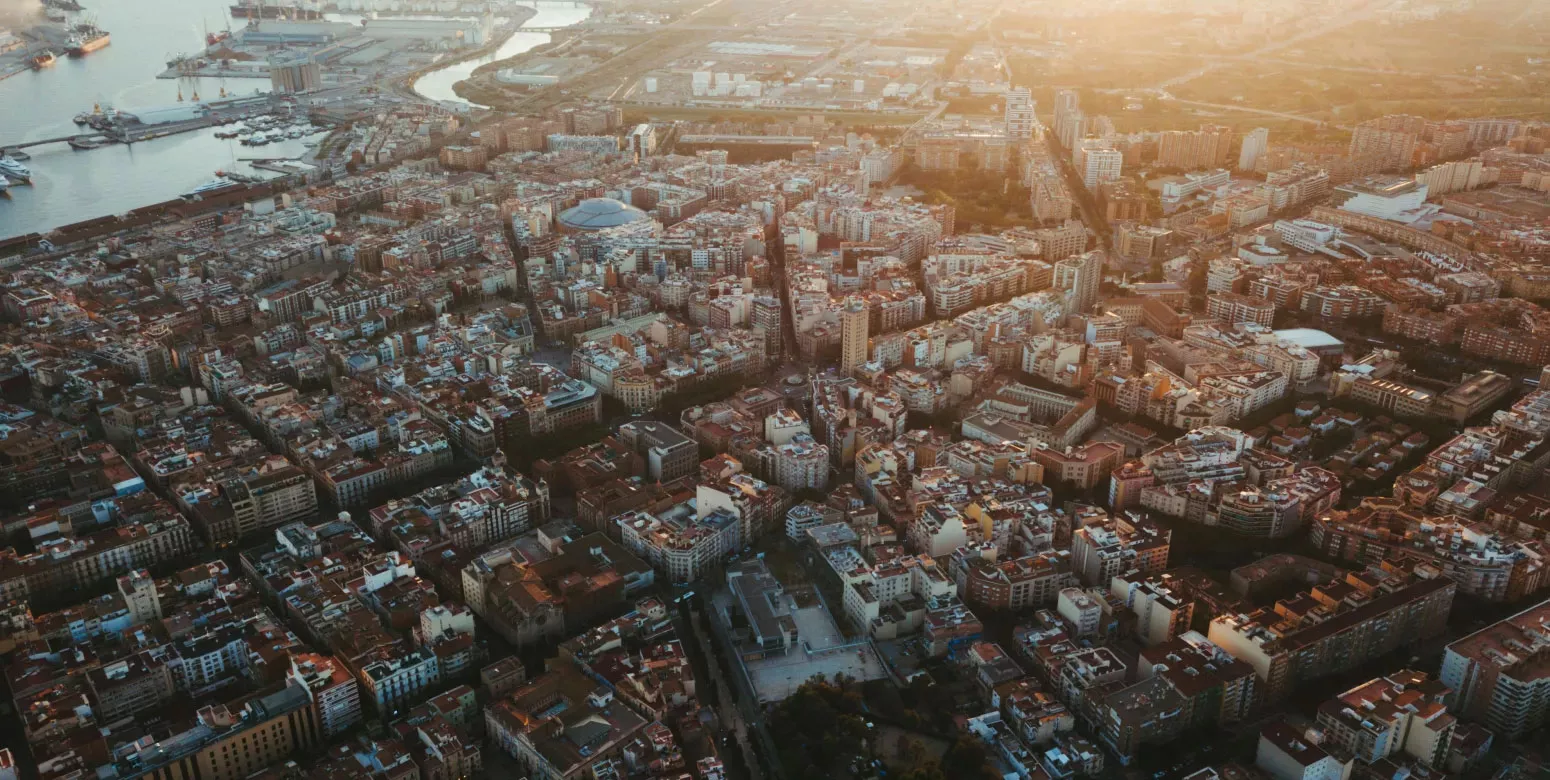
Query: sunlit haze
774	389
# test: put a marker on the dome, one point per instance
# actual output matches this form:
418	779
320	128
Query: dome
599	213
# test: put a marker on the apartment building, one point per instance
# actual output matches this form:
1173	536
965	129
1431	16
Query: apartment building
334	691
1287	753
229	742
271	494
549	742
1082	466
1421	324
531	603
1100	165
1334	627
1233	308
1079	278
1104	550
1391	140
1161	613
1012	583
1398	714
669	454
396	680
1499	675
130	685
854	324
1215	688
1255	143
802	463
1342	302
1192	150
1020	118
683	544
889	599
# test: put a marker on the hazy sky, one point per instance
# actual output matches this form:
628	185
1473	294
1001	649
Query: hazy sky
20	13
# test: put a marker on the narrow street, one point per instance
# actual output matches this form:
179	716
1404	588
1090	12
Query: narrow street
1084	199
725	705
775	251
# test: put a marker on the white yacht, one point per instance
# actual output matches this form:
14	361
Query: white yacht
11	169
211	186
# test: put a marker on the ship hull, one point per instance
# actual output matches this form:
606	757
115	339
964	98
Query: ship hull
87	47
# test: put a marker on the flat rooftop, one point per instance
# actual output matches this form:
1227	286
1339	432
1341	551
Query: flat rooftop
822	649
1308	338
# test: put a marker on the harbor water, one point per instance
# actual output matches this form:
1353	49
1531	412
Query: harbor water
70	186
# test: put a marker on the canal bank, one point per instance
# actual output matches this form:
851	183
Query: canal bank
441	84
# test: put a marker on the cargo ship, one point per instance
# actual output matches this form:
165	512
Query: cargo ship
86	39
256	9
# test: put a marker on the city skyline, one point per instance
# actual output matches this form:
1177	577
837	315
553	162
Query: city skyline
720	390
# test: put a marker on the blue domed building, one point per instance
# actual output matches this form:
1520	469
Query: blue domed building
599	213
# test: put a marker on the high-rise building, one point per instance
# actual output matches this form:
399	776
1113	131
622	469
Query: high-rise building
1100	165
1194	149
853	335
1079	277
1071	128
1255	143
1389	140
1488	131
764	315
1019	113
1081	144
1450	138
1066	106
1455	176
1498	675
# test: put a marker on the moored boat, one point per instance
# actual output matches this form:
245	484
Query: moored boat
14	171
85	39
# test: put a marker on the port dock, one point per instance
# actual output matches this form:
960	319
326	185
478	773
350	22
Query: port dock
108	129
